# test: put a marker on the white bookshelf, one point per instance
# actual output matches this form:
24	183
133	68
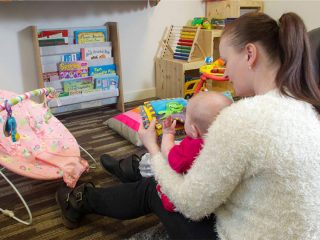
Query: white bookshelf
47	58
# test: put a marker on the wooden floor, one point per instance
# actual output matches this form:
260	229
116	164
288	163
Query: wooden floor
97	139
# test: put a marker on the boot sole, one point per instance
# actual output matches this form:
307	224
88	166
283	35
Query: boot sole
67	223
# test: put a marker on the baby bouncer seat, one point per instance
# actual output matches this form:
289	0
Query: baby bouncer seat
35	144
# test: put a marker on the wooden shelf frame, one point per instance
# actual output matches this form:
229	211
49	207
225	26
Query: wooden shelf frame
231	8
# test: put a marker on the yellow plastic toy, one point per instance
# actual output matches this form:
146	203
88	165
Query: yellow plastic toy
190	86
213	71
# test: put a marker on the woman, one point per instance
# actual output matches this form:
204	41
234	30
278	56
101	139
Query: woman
257	176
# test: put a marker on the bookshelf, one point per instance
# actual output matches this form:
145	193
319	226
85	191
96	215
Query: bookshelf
49	59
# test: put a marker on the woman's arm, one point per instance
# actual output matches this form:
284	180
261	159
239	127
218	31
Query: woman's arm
214	174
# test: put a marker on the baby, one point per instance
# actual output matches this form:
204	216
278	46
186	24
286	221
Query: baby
201	111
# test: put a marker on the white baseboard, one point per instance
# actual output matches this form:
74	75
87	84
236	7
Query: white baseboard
138	95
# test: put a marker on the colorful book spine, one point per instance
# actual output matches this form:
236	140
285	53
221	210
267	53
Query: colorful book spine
102	70
91	53
90	36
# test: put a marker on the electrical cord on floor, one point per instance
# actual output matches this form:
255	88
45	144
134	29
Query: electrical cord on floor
92	158
10	213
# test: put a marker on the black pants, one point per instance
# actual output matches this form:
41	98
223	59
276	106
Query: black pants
132	200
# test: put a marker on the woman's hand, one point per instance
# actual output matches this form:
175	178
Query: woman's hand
149	137
169	126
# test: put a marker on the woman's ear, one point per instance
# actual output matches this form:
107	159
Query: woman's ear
251	54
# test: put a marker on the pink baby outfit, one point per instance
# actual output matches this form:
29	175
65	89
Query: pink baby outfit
180	159
45	150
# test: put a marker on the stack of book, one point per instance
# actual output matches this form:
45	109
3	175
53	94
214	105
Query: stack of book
83	65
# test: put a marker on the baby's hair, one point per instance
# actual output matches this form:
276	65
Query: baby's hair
204	108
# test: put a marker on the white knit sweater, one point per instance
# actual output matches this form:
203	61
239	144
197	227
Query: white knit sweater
259	172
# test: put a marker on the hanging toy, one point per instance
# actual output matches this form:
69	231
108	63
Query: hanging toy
48	113
10	126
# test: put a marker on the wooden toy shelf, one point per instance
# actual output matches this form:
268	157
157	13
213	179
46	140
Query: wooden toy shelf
170	76
171	73
82	100
231	8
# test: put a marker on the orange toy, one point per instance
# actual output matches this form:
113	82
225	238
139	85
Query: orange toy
213	71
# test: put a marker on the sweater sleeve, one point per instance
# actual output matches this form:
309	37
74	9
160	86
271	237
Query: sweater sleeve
182	155
215	173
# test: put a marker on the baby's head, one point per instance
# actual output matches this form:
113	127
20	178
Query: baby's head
202	109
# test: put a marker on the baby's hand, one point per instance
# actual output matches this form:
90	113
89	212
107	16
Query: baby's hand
169	125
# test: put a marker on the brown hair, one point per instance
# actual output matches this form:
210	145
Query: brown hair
287	41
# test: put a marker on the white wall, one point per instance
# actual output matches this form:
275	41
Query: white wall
308	10
141	29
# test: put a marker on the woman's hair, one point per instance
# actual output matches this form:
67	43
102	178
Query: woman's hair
287	42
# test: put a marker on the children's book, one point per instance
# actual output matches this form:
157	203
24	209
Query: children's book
53	37
90	53
100	62
71	57
53	42
73	69
78	85
53	33
65	66
90	36
77	73
161	109
106	82
102	70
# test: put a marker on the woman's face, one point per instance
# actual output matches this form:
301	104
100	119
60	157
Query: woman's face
237	68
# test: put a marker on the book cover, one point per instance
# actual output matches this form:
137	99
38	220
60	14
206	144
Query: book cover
90	53
90	36
102	70
106	82
159	109
52	42
51	33
76	73
100	62
71	57
78	85
76	65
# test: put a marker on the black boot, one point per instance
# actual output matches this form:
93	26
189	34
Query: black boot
72	204
127	169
